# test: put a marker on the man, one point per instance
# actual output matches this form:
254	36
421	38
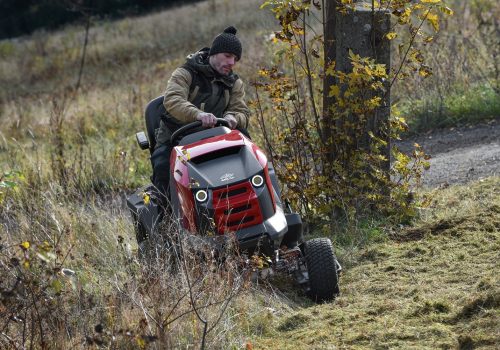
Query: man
204	88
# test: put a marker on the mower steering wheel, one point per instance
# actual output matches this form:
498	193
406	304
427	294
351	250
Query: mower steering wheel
194	125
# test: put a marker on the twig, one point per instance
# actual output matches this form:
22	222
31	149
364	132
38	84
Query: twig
137	304
228	299
309	81
82	61
165	323
263	126
193	303
190	311
407	51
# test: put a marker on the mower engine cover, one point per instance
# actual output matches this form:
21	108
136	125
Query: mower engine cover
222	184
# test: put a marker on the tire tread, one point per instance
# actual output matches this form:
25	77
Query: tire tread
322	269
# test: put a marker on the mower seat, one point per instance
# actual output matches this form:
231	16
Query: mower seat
153	113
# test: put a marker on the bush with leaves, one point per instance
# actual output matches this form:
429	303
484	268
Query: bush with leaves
329	164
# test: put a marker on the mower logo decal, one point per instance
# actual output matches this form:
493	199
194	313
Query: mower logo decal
227	177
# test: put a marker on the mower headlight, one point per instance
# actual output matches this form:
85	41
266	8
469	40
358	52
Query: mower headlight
201	196
257	180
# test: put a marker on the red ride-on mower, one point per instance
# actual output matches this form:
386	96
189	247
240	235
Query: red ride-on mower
222	184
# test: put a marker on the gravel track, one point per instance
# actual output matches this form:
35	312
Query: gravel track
459	155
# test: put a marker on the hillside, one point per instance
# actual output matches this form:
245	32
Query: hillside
70	277
430	286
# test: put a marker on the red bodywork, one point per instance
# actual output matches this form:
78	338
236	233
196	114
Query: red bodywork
233	212
236	206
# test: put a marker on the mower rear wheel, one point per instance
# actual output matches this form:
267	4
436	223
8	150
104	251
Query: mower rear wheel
141	234
322	269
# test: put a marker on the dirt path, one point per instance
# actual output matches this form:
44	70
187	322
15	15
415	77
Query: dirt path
459	155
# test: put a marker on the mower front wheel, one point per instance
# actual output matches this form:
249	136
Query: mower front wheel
322	269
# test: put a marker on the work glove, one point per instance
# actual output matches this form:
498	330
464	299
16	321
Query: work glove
231	120
208	120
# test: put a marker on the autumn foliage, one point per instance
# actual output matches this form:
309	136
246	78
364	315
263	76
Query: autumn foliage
329	164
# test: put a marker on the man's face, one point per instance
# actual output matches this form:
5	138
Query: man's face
223	62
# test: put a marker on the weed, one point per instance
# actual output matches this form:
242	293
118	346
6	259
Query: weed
432	307
479	304
459	107
293	322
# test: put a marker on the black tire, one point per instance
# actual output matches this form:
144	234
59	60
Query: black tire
322	269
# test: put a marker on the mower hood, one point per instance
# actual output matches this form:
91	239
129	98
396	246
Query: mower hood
218	161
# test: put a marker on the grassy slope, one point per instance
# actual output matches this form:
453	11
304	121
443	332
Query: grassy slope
128	63
434	285
419	293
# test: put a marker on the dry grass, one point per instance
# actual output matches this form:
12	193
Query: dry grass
437	289
138	51
465	60
79	284
70	194
128	63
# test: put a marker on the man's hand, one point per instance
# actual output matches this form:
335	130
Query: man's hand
208	120
231	120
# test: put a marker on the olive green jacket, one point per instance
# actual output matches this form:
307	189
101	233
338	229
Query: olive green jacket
178	104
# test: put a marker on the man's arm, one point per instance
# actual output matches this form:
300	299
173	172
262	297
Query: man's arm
237	106
176	97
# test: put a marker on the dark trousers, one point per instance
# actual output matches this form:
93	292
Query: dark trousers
160	160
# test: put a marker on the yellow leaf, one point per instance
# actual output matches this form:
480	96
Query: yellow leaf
446	10
331	69
405	16
353	56
391	35
416	55
434	21
25	245
379	70
425	71
430	1
263	73
334	91
140	342
146	198
186	153
265	4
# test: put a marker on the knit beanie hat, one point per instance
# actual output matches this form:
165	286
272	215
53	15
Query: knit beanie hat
226	42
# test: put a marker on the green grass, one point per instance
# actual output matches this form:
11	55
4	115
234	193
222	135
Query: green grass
429	285
433	285
469	106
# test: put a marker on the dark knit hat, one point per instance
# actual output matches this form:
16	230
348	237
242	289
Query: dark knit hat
226	42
